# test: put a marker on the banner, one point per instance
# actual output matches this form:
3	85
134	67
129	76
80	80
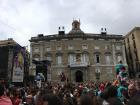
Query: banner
18	75
18	66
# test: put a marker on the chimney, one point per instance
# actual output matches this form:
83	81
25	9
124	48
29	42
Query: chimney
10	38
103	31
40	35
61	30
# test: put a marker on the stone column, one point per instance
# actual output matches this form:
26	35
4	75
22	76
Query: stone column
49	74
124	56
41	50
114	55
32	70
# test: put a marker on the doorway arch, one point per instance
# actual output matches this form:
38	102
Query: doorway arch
79	76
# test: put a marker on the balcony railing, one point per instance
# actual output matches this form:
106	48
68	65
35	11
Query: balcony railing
79	64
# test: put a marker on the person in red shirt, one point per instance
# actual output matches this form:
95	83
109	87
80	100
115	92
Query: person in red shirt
4	100
102	87
16	100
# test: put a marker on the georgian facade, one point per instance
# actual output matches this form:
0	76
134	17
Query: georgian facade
80	56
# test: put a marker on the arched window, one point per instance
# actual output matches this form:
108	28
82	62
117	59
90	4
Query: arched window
108	59
85	57
78	57
97	58
119	58
48	56
58	58
71	58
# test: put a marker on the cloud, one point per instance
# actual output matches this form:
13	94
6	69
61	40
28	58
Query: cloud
23	19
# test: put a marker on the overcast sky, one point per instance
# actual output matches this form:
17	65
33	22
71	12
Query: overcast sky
23	19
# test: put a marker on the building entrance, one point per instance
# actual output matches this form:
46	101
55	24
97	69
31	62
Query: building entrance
79	76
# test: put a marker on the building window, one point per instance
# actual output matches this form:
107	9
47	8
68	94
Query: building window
48	48
59	59
118	47
119	58
97	70
97	59
71	58
107	47
58	48
133	36
97	73
36	49
127	40
84	47
108	59
49	58
134	44
70	47
96	48
78	57
85	58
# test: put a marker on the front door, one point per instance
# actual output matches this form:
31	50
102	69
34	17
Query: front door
79	76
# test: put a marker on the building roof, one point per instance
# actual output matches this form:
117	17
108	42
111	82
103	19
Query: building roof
68	36
10	41
75	32
134	29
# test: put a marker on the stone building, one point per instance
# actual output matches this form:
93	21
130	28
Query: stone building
79	56
133	52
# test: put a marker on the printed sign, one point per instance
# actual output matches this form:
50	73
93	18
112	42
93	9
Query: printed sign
18	75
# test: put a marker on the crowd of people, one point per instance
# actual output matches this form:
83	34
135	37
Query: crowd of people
88	93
